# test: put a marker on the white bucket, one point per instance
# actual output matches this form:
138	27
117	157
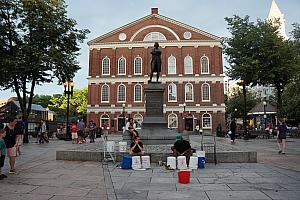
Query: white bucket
145	162
171	161
201	154
110	146
136	162
193	162
181	162
122	146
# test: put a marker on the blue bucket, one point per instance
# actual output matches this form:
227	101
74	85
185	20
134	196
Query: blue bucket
201	162
126	162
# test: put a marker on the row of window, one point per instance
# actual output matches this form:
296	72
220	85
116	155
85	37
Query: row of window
188	65
172	93
172	120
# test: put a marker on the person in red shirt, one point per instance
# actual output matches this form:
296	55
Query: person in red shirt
73	128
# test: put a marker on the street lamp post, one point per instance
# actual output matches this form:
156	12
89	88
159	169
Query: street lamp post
183	115
124	121
242	83
265	114
68	85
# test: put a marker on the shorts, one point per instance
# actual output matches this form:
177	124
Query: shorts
19	140
2	158
12	152
74	135
281	136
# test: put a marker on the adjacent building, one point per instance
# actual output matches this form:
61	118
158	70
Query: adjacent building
192	74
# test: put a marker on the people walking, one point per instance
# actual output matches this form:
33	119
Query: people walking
80	127
2	152
92	128
20	130
74	129
232	130
281	137
43	132
10	143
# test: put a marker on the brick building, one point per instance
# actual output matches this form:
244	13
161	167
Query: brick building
192	74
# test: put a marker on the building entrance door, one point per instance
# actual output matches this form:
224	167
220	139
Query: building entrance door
121	123
188	123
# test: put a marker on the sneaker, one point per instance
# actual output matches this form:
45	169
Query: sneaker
283	153
12	171
3	176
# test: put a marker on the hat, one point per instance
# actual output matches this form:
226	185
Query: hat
179	137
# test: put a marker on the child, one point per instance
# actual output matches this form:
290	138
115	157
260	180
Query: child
2	152
73	128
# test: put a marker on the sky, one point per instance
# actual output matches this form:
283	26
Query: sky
102	16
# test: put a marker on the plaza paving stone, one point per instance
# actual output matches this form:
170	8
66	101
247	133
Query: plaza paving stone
40	177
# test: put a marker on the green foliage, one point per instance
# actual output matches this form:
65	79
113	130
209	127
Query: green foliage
38	43
42	100
258	55
78	103
291	100
235	104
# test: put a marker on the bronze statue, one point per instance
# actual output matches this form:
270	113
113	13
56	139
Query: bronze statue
155	62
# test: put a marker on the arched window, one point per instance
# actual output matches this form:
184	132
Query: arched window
104	119
122	66
206	120
138	93
205	92
138	66
105	93
171	65
121	93
189	93
172	121
204	65
138	119
154	36
105	66
188	65
172	92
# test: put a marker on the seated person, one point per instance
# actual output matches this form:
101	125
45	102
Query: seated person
130	127
182	148
136	147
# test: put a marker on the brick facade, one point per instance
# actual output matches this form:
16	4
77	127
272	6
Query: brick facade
113	47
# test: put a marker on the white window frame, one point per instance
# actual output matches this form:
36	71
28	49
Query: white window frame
169	122
120	66
175	87
202	92
202	65
118	93
134	97
169	61
108	93
188	58
155	36
102	67
185	92
106	118
210	122
135	73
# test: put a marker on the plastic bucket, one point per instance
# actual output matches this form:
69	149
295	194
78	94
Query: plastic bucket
193	162
184	177
201	162
126	162
122	146
110	146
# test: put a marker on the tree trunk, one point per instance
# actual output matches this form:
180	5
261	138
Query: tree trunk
279	101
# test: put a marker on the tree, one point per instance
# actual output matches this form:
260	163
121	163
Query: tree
235	104
42	100
78	103
258	55
38	43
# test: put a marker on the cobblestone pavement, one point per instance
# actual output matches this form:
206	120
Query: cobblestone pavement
40	177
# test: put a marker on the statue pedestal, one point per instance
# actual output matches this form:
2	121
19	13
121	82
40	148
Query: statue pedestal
155	126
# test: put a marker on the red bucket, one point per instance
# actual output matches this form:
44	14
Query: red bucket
184	177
